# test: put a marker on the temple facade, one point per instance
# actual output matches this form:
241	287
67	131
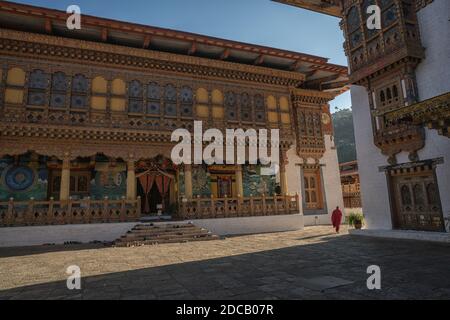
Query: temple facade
401	108
86	118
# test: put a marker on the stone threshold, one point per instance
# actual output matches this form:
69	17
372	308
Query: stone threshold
440	237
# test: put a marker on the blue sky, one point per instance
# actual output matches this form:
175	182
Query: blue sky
260	22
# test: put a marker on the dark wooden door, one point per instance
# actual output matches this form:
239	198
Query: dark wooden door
417	202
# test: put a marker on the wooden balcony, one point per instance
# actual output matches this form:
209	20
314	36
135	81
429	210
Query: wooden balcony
40	213
211	208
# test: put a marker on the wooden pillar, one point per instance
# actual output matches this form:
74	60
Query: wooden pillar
283	180
131	180
188	181
64	192
239	182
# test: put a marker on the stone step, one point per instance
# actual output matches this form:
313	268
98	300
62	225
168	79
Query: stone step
150	234
163	236
167	241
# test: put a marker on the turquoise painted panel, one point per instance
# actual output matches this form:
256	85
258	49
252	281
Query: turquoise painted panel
201	182
23	180
255	184
111	184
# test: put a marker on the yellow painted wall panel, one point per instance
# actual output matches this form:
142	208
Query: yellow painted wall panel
202	96
285	118
14	96
271	103
273	117
284	104
217	97
118	87
118	104
99	85
202	111
16	77
218	112
98	103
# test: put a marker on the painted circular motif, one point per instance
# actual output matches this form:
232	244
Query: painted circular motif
326	118
19	178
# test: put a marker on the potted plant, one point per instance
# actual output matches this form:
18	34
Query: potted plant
356	220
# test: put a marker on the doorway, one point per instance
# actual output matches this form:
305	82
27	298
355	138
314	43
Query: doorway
417	205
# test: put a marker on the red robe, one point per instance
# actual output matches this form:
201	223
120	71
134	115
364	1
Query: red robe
336	219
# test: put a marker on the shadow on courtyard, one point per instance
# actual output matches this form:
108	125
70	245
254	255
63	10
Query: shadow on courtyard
410	270
32	250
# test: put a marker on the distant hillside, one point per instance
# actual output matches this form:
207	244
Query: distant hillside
344	135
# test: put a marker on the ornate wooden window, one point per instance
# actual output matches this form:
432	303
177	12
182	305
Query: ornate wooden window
260	108
15	86
231	105
58	98
202	103
187	101
99	95
118	95
153	99
79	183
313	190
37	88
246	108
285	112
272	109
170	101
80	89
135	97
217	104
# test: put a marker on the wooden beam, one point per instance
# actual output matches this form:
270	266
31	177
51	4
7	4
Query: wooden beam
147	41
48	26
295	65
104	34
259	60
225	54
193	49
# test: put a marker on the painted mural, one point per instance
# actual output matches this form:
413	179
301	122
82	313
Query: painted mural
23	178
109	182
201	182
255	184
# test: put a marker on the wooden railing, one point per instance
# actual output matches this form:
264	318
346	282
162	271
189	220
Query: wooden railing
39	213
210	208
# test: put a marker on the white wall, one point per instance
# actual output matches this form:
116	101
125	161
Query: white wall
84	233
433	79
374	191
331	181
252	225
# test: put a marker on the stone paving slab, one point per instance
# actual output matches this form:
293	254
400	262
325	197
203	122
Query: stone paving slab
311	264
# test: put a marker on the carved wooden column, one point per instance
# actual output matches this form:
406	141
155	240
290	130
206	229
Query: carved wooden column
131	180
64	193
239	181
188	181
283	179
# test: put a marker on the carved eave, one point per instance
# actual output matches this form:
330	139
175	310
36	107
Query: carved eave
314	97
433	113
23	44
329	7
60	141
413	53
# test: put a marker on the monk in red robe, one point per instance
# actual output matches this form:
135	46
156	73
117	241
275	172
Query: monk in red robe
336	219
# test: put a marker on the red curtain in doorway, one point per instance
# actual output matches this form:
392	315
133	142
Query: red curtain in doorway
146	182
163	184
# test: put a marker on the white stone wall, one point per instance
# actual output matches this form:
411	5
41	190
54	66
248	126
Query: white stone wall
433	79
84	233
374	191
252	225
331	182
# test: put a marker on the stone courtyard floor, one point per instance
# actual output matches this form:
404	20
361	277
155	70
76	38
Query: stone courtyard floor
309	264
